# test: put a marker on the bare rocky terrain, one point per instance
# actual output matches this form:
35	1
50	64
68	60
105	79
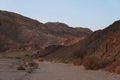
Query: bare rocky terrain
20	32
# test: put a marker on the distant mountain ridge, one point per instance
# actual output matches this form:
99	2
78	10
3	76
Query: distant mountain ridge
19	30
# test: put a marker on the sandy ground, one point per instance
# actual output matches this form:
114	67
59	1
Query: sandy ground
51	71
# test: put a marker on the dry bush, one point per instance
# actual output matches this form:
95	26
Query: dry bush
106	61
66	61
117	70
20	68
80	53
113	66
60	60
92	62
77	62
33	65
41	59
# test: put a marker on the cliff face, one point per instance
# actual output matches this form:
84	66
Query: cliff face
16	29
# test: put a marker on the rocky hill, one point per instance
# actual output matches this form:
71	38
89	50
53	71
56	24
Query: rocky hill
16	29
99	50
105	45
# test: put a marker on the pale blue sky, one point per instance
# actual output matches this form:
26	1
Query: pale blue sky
94	14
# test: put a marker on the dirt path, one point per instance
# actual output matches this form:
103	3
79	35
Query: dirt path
51	71
58	71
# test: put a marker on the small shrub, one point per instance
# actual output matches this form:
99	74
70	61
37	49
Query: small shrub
106	62
33	65
92	62
117	70
62	60
80	53
77	62
40	59
26	55
20	68
66	61
17	58
113	66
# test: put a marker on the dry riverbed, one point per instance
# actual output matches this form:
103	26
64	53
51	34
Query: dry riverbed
51	71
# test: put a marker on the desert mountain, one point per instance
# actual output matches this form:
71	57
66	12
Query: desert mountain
102	47
16	29
105	44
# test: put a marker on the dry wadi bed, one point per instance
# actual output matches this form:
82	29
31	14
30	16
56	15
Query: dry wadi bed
51	71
